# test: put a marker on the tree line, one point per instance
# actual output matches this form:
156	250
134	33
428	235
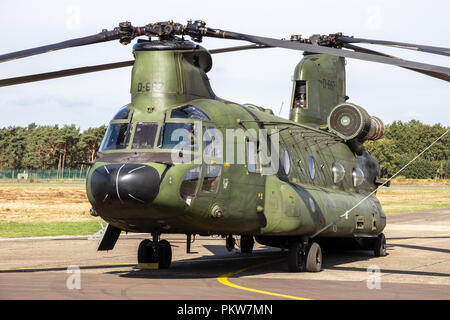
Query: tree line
48	147
54	147
403	141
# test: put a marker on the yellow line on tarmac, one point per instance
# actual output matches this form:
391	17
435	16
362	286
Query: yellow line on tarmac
223	279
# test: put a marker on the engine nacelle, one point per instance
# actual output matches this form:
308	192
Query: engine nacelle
349	121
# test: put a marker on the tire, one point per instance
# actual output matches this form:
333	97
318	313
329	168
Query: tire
296	257
146	252
164	254
314	258
380	246
230	242
247	244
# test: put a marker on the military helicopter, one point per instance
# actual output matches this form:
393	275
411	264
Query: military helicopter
302	184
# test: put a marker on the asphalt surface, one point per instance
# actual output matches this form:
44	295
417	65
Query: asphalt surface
417	267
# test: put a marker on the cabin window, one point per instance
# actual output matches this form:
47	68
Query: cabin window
144	135
286	162
178	136
338	172
212	178
189	112
189	184
122	114
357	177
117	137
312	167
252	155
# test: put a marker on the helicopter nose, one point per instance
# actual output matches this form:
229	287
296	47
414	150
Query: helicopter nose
123	184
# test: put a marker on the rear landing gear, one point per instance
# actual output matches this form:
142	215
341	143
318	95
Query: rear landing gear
247	244
379	248
314	258
304	257
161	253
296	257
230	242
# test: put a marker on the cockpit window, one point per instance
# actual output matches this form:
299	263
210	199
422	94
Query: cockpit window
144	135
213	144
122	114
212	178
189	184
178	136
189	112
117	137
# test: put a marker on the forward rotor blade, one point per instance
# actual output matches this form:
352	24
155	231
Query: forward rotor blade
403	45
102	67
63	73
296	45
437	75
100	37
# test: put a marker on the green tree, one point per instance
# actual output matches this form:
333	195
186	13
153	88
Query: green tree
403	141
90	141
12	147
388	155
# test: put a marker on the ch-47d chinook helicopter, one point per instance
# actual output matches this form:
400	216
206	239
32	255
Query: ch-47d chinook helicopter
169	160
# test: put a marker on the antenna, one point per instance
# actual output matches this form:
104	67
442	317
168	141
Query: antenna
281	107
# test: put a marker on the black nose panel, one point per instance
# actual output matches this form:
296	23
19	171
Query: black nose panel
121	184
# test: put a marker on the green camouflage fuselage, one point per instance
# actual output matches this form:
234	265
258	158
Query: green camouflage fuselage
294	202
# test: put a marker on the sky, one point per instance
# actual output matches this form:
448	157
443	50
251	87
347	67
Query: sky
261	77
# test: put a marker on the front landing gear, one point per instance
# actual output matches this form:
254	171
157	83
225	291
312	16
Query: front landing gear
146	252
161	253
304	257
164	254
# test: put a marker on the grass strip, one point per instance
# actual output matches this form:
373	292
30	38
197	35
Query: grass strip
28	229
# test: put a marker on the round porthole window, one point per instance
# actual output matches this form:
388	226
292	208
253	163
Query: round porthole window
286	162
358	177
312	167
338	172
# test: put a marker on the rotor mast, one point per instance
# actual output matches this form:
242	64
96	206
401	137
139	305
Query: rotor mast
167	73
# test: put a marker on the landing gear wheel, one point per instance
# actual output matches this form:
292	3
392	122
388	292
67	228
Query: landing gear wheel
314	258
247	243
146	252
230	243
296	257
164	254
380	246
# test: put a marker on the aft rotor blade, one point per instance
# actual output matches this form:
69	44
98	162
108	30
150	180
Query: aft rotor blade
63	73
437	75
403	45
296	45
100	37
238	48
97	68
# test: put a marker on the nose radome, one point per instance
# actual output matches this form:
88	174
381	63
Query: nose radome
121	184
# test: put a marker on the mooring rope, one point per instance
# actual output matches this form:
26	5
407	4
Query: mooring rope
345	215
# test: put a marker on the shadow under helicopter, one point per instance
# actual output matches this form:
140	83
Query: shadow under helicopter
271	260
274	260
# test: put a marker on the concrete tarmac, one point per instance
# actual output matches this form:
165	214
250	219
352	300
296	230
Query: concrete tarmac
417	267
